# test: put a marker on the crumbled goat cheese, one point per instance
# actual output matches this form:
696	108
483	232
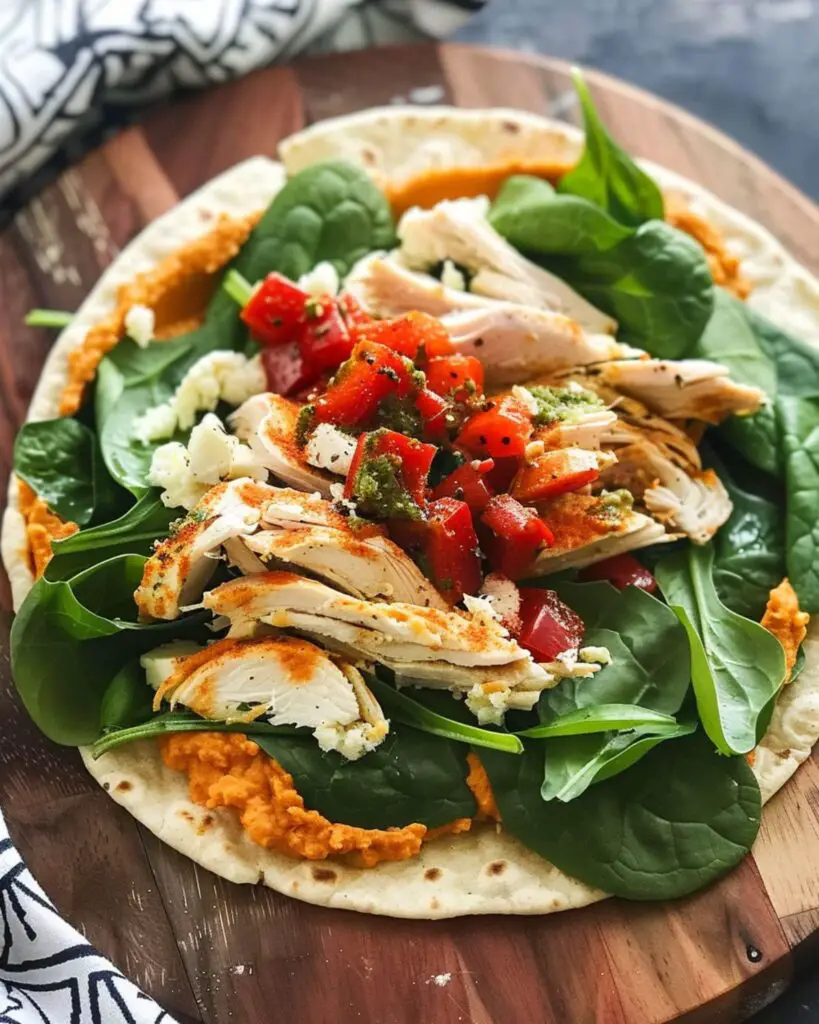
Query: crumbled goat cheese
331	449
578	664
219	376
212	455
504	597
321	280
451	277
489	702
140	322
337	494
526	399
351	741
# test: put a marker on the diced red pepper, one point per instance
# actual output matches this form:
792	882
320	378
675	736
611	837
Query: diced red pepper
548	626
448	547
468	483
351	311
500	431
502	474
554	473
286	369
621	571
370	374
517	534
275	310
412	459
433	410
324	339
457	375
406	334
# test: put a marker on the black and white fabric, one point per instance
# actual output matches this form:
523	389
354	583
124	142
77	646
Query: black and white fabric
72	71
49	974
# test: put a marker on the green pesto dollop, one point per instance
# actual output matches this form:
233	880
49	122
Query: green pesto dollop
378	491
614	505
399	414
563	405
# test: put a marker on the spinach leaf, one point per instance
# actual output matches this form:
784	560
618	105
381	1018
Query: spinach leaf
572	764
329	211
799	422
410	777
601	718
749	550
606	175
410	712
650	664
529	213
123	698
737	666
59	460
656	284
127	699
71	637
796	361
131	534
678	819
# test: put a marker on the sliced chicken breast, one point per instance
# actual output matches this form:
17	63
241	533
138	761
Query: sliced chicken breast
372	568
267	423
180	567
678	389
414	642
458	230
283	680
516	343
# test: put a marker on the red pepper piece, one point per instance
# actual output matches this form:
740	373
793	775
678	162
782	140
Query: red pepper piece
370	374
406	334
412	460
517	534
621	571
548	626
450	551
502	474
275	310
433	410
286	369
324	339
500	431
554	473
351	311
456	375
468	483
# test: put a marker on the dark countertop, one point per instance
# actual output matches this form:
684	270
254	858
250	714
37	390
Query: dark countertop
751	67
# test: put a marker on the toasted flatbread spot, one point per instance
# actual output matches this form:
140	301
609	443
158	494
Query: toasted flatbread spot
432	874
324	875
124	786
497	867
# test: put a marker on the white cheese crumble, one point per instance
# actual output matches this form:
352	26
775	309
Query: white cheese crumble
212	455
489	702
451	277
351	741
580	664
219	376
337	494
320	281
526	399
504	597
602	655
331	449
140	322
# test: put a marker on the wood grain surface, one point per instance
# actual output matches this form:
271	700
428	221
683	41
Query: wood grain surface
213	952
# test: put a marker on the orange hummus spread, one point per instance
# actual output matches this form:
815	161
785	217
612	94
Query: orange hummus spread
788	624
725	267
177	289
229	770
42	527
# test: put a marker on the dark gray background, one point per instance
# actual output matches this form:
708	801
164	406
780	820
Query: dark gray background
751	67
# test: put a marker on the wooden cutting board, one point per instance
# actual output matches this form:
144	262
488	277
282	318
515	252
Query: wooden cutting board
214	952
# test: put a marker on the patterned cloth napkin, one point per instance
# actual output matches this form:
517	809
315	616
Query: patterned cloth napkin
70	72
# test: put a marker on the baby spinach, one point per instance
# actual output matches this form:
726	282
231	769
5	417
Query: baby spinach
529	212
678	819
330	211
60	461
799	422
650	664
749	550
736	665
572	764
71	637
606	175
127	699
132	534
410	712
600	718
410	777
